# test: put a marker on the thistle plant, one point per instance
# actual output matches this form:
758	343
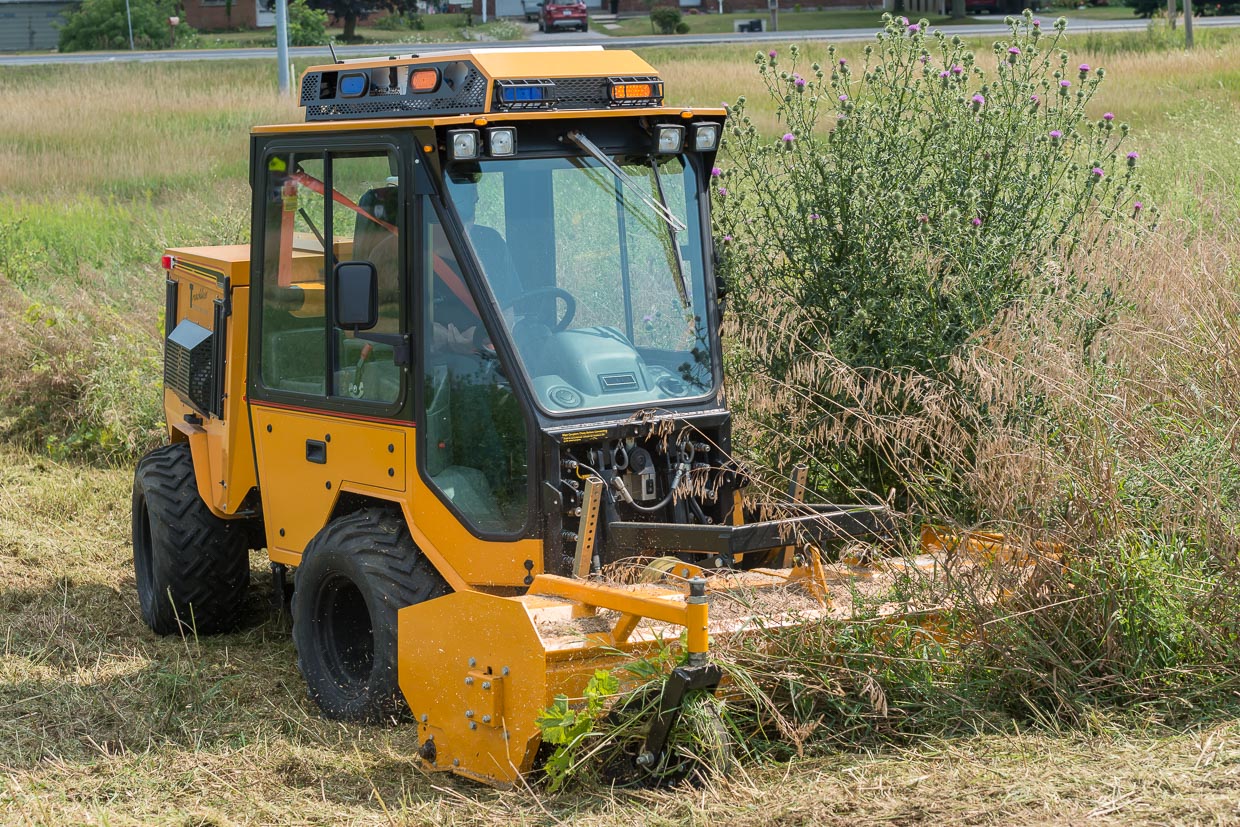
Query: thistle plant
907	203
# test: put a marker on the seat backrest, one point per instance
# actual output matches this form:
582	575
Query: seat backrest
377	244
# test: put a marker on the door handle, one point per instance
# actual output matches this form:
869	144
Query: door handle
316	451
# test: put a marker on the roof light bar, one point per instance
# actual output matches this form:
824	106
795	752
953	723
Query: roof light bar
636	91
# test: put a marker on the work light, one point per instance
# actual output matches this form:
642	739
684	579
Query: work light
502	141
669	139
463	144
705	137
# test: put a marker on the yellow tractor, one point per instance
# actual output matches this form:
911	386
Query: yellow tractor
469	362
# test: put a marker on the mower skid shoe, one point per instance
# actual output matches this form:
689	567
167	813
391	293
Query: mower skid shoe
682	681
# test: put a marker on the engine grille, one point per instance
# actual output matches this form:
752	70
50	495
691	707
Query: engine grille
189	366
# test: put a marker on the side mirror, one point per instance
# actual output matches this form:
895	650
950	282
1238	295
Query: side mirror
357	295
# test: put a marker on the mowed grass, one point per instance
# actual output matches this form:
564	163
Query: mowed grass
102	722
789	21
105	723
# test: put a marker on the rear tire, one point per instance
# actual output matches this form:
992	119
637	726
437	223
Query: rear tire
192	568
353	578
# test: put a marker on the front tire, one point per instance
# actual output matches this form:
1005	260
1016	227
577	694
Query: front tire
355	575
192	568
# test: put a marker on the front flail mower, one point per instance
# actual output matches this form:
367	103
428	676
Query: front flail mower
469	364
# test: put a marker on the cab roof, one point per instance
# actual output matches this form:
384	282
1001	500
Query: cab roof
481	82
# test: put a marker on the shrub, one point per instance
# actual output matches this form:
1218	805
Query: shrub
907	207
306	26
682	27
102	24
665	19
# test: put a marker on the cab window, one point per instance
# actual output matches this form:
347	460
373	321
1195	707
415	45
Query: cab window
306	234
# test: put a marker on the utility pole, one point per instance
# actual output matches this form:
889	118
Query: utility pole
282	43
129	20
774	15
484	11
1188	24
1171	13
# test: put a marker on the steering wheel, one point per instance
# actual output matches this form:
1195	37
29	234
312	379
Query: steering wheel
526	298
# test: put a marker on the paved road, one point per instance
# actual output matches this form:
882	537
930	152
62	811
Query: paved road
566	39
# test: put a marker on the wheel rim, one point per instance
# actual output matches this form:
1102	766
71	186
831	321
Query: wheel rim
346	636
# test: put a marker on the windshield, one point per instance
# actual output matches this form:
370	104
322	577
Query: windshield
581	263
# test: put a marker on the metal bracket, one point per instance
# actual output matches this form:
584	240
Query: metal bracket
583	560
682	680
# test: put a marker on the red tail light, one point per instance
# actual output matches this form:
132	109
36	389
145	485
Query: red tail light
167	262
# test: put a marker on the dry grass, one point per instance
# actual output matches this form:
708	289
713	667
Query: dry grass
103	723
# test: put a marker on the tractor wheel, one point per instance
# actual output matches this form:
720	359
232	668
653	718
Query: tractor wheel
353	578
192	568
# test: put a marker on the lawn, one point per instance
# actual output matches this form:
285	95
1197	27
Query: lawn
104	723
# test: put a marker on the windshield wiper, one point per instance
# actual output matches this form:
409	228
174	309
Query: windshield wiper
659	207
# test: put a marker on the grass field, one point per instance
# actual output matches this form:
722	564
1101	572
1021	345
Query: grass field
104	723
101	722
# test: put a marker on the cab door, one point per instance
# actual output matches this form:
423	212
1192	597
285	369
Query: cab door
330	411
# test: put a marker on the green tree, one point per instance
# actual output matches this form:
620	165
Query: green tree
349	11
306	26
102	24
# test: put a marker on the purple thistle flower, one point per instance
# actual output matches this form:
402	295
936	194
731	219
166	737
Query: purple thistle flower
800	82
1132	156
903	21
715	172
943	74
648	318
957	70
788	138
1037	23
978	100
726	239
771	54
977	222
1108	117
1084	68
723	190
1097	172
843	62
1034	98
914	29
1056	134
923	219
814	216
1064	84
1013	51
1136	207
843	98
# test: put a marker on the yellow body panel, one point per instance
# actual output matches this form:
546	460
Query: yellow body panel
375	459
221	447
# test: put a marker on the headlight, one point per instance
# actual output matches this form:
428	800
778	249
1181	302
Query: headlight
502	141
669	139
463	144
705	137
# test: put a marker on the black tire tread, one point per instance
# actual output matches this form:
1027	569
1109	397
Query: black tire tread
200	561
397	574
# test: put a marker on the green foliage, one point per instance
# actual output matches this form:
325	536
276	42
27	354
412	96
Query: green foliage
569	728
400	23
665	19
102	24
912	203
682	27
306	26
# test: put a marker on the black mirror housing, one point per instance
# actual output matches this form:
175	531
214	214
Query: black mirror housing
357	295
